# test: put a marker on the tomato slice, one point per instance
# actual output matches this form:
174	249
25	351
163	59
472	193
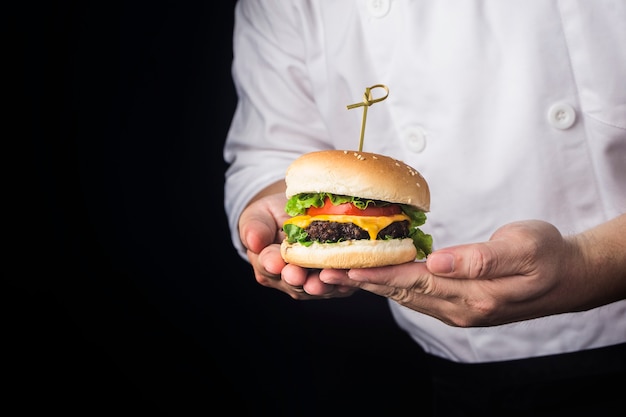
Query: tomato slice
350	209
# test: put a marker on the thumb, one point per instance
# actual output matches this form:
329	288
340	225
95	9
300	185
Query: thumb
260	223
491	259
256	231
514	249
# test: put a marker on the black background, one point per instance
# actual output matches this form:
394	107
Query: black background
128	296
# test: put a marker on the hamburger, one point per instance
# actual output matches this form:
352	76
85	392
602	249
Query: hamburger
354	209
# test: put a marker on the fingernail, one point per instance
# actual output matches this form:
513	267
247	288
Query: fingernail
441	263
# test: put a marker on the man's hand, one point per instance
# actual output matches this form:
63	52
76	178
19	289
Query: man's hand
260	230
526	270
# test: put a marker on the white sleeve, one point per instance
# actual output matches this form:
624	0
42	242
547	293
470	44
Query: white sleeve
276	118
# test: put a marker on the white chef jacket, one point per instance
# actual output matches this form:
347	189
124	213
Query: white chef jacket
511	110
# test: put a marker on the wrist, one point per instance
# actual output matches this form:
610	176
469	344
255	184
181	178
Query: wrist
597	264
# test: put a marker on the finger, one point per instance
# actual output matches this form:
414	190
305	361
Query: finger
486	260
314	286
338	277
402	282
308	281
454	301
294	275
339	280
388	281
412	275
267	265
260	223
261	274
412	285
256	231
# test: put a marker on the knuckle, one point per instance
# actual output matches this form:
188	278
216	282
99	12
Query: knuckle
427	286
482	262
475	312
481	311
402	295
482	306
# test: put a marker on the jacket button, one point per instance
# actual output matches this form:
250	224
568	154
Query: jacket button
561	116
378	8
415	138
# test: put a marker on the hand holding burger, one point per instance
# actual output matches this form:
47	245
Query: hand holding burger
354	210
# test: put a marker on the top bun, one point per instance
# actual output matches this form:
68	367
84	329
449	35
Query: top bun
358	174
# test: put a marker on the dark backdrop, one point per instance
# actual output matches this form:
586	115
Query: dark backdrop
128	296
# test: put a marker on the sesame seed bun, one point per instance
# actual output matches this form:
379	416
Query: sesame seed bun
359	174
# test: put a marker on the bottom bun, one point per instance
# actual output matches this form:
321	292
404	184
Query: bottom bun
350	254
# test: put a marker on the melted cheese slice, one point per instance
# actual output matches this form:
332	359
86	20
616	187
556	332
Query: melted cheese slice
372	224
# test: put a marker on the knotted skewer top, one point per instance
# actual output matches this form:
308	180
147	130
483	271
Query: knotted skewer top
368	101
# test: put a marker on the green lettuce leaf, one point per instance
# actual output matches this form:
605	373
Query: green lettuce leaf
298	204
